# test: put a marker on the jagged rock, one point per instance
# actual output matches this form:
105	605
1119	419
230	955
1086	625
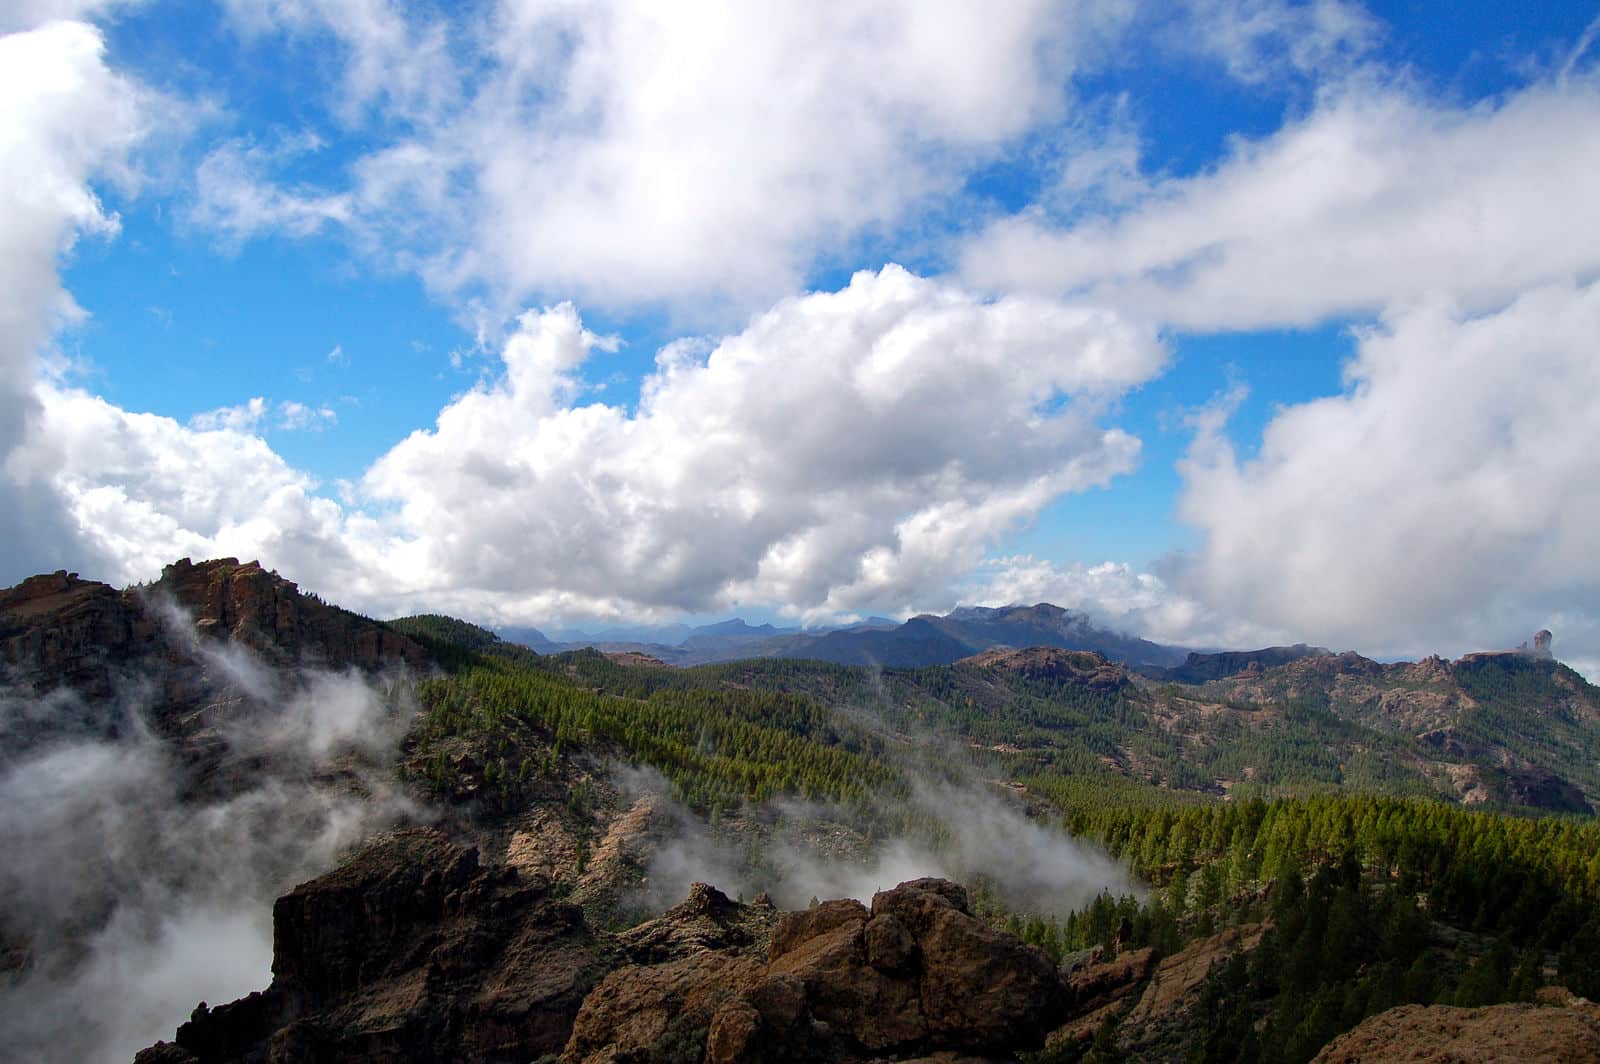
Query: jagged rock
706	920
916	974
60	630
1444	1034
825	949
1176	983
410	951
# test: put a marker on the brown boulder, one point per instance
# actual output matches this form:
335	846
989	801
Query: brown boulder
664	1012
983	988
825	949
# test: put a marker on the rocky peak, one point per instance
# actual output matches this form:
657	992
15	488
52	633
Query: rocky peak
59	629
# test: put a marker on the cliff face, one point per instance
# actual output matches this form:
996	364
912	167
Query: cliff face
410	951
60	630
413	951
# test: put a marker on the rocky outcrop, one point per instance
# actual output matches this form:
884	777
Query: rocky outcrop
915	973
1442	1034
262	610
1078	668
1152	998
61	630
707	920
410	951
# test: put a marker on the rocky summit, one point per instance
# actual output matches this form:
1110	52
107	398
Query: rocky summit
57	629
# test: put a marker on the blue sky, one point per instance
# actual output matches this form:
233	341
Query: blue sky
1183	298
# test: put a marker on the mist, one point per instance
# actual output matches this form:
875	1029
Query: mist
140	871
965	830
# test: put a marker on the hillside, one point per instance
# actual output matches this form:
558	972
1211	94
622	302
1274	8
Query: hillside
1182	856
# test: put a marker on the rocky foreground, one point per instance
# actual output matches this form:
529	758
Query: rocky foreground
414	951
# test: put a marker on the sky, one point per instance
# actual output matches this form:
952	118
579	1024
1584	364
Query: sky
1227	323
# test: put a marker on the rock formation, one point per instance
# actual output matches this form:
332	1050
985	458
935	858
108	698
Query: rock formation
409	951
413	951
60	630
1439	1034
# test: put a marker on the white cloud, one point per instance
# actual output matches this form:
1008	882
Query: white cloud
1258	40
848	450
251	416
234	197
67	120
298	417
1119	597
852	449
621	153
145	490
1447	500
20	15
1376	199
388	59
245	417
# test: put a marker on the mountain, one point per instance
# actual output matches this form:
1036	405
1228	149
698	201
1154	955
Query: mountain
479	852
923	640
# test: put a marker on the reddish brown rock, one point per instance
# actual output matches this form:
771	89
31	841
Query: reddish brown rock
662	1012
1442	1034
60	630
917	975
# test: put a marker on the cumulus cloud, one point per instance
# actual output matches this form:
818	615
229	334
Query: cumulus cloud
145	489
68	119
1448	498
847	450
619	153
1376	199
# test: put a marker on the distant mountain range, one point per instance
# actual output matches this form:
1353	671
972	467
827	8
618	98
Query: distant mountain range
926	639
923	640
